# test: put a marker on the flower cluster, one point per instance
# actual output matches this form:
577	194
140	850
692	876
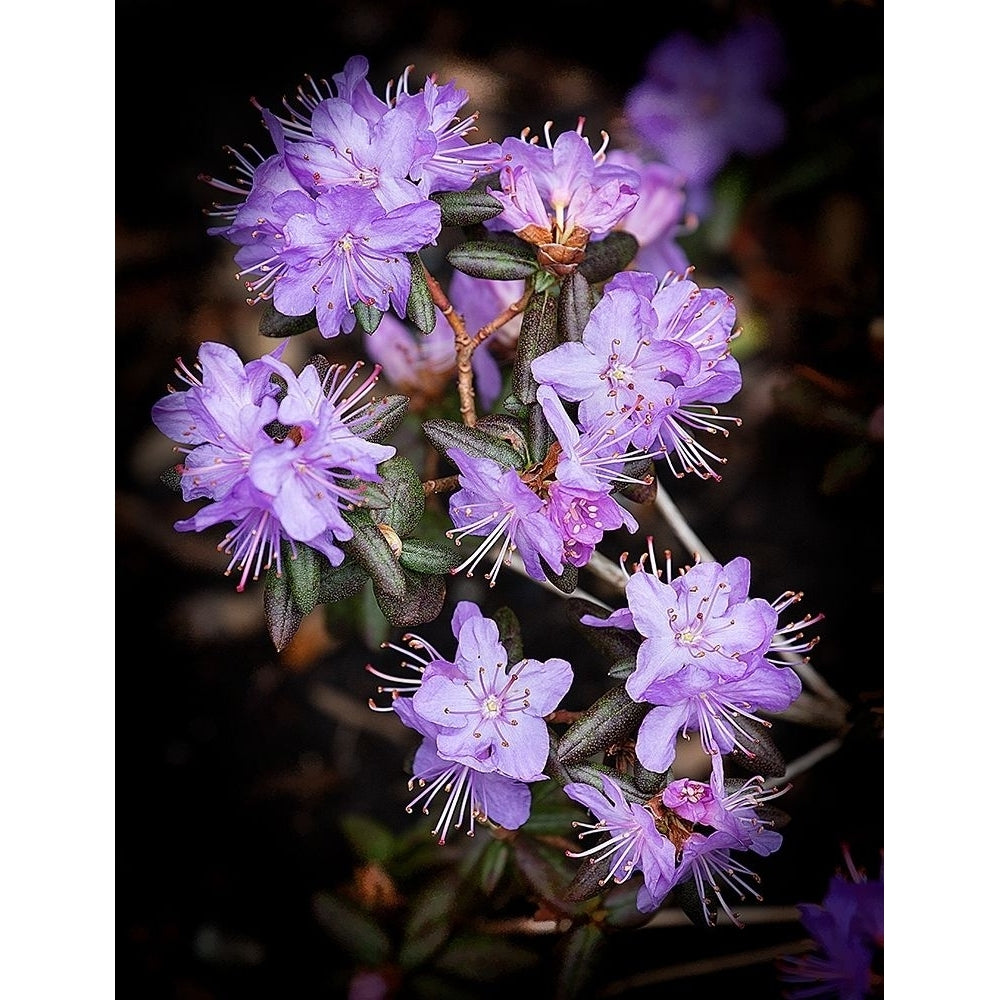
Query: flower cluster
482	720
273	452
327	221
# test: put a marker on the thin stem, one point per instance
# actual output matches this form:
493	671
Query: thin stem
444	485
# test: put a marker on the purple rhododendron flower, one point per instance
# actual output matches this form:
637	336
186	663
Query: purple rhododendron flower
636	843
703	662
848	930
492	715
493	502
483	727
559	195
699	103
294	487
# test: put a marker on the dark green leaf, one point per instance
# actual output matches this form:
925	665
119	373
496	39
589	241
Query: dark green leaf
687	897
338	583
615	644
368	316
580	954
369	547
541	437
405	494
304	570
764	758
565	581
466	208
608	256
492	865
576	300
591	877
354	930
370	839
612	718
642	492
547	871
445	434
420	309
495	260
421	600
594	774
431	921
377	420
619	905
510	634
538	336
429	557
276	324
281	612
506	427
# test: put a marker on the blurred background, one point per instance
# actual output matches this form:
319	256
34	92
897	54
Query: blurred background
253	785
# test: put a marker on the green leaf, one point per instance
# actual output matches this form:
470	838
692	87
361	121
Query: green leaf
576	300
304	570
492	865
613	717
589	880
338	583
580	954
429	557
420	309
547	871
445	434
593	774
281	613
276	324
506	261
370	839
378	419
642	492
354	930
506	427
619	906
765	759
615	644
368	316
405	494
620	669
369	547
431	920
420	602
466	208
541	437
510	634
539	335
687	897
607	257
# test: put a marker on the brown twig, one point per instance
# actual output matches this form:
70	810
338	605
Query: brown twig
443	485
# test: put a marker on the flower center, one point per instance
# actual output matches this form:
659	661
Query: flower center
491	707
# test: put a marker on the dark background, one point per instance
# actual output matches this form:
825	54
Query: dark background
235	764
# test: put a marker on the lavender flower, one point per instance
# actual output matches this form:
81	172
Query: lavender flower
470	762
659	216
658	350
293	486
636	843
494	714
698	103
703	661
558	195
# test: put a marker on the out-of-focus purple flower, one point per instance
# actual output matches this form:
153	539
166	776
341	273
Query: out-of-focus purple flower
703	660
480	722
293	486
660	215
700	103
848	929
481	301
422	366
493	716
559	195
636	842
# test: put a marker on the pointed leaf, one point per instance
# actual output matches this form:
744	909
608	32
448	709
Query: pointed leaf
639	492
466	208
576	300
506	427
499	261
420	309
405	494
368	316
369	547
612	718
592	774
429	557
354	930
276	324
541	437
591	877
281	613
615	644
608	256
686	896
445	434
547	871
510	634
766	760
431	920
492	866
338	583
566	581
304	570
539	335
420	602
377	420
